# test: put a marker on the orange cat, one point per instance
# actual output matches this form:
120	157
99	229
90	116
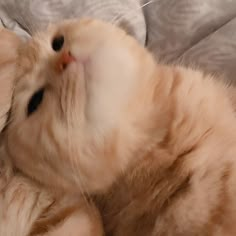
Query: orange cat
93	111
26	208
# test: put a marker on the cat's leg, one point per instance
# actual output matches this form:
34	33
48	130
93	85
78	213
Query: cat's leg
78	224
70	221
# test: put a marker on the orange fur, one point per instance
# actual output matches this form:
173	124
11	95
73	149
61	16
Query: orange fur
9	43
155	144
27	208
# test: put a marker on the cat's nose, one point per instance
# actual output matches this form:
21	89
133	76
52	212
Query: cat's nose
64	60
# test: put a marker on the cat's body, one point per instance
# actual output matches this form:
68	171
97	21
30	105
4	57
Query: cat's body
185	184
156	145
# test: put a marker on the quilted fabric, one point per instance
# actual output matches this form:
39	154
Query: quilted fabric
197	33
27	16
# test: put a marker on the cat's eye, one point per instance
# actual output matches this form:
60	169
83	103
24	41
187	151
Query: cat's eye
35	101
57	43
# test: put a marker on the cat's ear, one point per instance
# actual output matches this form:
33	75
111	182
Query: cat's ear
9	43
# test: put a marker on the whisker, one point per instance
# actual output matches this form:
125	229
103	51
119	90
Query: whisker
83	190
28	26
66	102
119	16
84	193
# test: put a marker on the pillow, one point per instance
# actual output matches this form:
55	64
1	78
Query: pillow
26	16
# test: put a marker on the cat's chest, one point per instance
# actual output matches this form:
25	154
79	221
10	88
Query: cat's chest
143	195
127	211
127	215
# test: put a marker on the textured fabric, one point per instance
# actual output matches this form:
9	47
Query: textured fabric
27	16
198	33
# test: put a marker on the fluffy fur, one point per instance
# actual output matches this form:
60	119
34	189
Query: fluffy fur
155	144
27	208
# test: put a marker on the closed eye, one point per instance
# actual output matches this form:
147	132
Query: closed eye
35	101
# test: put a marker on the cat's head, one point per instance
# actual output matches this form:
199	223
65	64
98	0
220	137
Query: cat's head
74	117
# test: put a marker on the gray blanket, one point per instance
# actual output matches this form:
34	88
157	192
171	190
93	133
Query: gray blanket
199	33
27	16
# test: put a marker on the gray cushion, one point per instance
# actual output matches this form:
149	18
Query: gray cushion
198	33
27	16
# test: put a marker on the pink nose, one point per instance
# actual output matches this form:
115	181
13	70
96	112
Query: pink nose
64	60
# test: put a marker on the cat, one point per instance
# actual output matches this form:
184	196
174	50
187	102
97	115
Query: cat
154	145
27	208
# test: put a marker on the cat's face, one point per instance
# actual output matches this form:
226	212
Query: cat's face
73	104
